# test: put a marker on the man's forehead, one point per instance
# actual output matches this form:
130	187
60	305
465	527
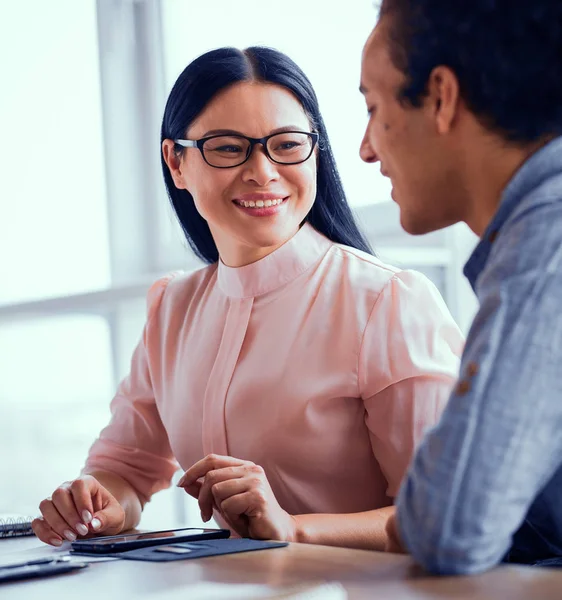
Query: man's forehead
373	52
377	41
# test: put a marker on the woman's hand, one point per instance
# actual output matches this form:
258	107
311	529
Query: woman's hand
76	509
241	493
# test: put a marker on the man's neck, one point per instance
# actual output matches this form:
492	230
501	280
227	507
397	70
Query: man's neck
489	170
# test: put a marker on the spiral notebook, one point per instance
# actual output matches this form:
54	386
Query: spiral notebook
15	525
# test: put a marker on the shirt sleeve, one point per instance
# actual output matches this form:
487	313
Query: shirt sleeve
476	475
408	364
135	445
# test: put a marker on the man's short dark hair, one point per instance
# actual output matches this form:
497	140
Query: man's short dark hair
506	54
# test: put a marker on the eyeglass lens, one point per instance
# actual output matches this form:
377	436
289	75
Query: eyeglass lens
232	150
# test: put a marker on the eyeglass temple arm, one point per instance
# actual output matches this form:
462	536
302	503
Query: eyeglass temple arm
186	143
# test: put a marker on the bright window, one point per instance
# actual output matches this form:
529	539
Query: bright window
53	402
57	374
53	226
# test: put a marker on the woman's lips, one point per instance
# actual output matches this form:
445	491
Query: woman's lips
261	207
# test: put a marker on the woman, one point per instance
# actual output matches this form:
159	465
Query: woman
295	374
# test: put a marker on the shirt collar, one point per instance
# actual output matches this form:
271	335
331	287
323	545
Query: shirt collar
540	166
280	267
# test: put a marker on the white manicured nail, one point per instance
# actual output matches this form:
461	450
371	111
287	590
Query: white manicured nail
96	524
81	529
86	516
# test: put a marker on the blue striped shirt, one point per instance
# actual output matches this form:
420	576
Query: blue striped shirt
486	483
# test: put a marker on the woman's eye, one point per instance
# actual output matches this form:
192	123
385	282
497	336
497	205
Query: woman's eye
288	145
228	149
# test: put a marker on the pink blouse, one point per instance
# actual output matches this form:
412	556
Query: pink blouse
318	362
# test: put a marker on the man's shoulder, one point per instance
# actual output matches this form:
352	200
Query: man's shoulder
540	205
530	242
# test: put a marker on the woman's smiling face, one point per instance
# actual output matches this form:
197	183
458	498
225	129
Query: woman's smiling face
244	233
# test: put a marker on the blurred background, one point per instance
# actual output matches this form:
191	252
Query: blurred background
85	225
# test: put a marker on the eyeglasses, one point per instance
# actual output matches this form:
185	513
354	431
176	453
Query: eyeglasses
226	151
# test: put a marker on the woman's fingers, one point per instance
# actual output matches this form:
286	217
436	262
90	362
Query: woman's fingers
64	501
193	489
229	487
212	479
83	491
110	520
240	491
55	520
236	507
78	508
45	533
97	506
204	481
211	462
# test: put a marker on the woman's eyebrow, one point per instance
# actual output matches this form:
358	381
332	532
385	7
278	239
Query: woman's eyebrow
234	132
289	128
222	132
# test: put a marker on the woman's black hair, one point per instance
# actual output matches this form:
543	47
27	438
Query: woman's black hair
212	72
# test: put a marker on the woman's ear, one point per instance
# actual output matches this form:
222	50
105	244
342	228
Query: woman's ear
173	160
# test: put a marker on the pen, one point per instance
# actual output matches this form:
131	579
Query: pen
39	561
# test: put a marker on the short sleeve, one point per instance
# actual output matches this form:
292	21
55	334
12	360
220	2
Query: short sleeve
408	365
135	445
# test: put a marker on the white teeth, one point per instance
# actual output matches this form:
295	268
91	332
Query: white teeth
260	203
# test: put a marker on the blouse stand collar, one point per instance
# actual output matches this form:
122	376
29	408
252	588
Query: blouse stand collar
273	271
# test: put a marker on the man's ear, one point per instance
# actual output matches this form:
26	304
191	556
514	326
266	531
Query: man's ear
444	96
173	160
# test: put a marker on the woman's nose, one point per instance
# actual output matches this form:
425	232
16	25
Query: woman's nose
259	167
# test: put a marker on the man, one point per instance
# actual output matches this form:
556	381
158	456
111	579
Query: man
465	104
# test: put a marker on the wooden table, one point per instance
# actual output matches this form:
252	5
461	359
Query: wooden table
365	575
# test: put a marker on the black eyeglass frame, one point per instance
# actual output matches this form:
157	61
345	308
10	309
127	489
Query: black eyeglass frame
253	141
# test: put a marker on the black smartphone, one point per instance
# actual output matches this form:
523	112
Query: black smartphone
130	541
